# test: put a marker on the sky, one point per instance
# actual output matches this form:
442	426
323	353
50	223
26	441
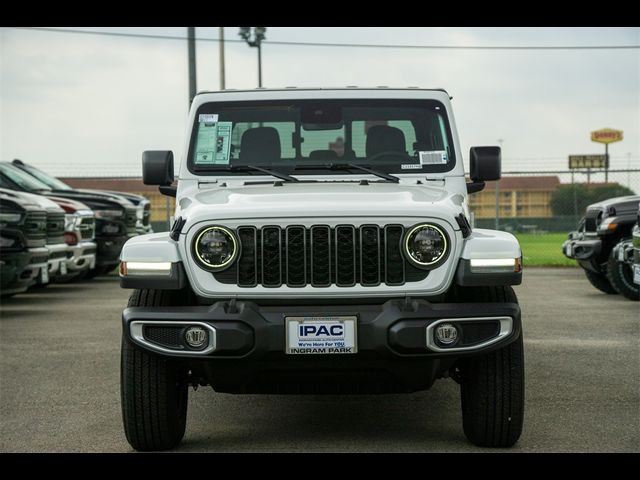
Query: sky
89	105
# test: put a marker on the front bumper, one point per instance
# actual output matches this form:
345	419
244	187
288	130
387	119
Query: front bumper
247	353
397	328
21	271
579	247
80	258
57	257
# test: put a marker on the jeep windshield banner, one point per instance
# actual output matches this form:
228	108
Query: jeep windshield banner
409	136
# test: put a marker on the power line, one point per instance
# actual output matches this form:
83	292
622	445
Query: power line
342	45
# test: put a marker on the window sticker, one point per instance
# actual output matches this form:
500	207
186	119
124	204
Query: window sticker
411	166
208	118
436	157
213	142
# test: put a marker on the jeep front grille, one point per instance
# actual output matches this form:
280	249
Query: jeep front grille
320	256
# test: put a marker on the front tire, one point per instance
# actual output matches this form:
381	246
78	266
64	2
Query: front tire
620	275
600	281
153	390
492	385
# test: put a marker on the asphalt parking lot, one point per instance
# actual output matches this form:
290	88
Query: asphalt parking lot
59	383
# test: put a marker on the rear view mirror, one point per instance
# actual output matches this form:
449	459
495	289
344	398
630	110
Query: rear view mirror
485	163
157	167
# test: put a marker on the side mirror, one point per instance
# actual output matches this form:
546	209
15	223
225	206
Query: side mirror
157	167
485	163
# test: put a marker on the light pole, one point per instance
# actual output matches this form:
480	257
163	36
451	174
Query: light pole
255	40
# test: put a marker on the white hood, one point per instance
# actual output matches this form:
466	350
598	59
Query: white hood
337	199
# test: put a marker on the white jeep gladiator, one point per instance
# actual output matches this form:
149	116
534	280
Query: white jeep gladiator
321	243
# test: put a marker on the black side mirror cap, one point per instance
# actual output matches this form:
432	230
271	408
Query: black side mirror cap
157	167
485	164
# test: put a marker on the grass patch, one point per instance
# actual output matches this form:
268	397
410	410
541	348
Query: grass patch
544	250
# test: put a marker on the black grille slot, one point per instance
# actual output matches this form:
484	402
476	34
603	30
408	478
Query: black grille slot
394	261
321	256
345	255
271	257
55	227
248	261
165	336
296	248
35	225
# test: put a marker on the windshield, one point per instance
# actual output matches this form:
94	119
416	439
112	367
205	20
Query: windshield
401	136
10	176
48	180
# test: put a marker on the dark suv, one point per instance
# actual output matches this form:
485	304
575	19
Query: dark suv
598	242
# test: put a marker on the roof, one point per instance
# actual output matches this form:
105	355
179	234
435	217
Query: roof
348	87
294	93
533	182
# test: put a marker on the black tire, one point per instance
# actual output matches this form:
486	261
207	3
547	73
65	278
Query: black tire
154	390
600	281
492	385
620	276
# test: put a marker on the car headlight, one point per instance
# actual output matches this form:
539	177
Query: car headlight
426	246
215	248
70	220
108	213
10	217
140	212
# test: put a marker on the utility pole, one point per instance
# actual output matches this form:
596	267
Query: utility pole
191	45
221	45
258	35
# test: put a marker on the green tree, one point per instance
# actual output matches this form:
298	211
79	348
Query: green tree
574	198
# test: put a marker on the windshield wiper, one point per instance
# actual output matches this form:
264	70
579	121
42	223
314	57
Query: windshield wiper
349	166
245	168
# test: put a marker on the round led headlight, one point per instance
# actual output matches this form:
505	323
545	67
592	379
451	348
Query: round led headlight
215	248
426	246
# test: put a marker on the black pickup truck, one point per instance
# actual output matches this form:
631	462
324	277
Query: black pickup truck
23	236
116	218
600	242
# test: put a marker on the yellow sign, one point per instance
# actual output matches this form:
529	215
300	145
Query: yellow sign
606	135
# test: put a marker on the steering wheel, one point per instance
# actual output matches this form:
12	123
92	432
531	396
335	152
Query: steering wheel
389	153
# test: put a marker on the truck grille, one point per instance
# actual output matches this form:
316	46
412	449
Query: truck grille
87	228
35	226
146	214
130	220
592	219
55	228
321	256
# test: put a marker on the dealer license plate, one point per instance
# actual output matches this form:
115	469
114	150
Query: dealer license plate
321	335
44	274
636	274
